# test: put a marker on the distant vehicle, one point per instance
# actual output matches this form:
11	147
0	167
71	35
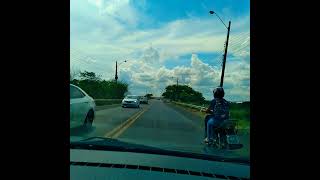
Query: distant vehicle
82	107
131	101
144	99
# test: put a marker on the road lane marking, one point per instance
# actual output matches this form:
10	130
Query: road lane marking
125	127
116	132
109	134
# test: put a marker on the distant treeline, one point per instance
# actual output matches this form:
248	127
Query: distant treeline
183	93
98	88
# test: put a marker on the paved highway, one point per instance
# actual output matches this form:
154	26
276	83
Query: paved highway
156	124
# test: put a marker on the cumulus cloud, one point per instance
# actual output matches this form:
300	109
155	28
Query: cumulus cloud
151	56
145	74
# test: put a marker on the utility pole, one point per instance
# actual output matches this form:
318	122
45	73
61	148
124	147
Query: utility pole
177	89
225	56
116	76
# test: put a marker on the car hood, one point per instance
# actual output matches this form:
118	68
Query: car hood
130	99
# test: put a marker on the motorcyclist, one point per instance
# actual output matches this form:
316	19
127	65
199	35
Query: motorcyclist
218	112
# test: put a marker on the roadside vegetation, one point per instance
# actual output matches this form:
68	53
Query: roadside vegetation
183	93
240	112
98	88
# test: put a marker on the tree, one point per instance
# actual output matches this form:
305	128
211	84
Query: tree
90	76
183	93
98	88
149	95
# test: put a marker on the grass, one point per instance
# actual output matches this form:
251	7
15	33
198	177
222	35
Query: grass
244	125
240	112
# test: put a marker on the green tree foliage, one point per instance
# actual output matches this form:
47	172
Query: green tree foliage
183	93
98	88
89	76
149	95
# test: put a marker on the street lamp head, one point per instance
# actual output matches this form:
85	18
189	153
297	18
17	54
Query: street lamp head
211	12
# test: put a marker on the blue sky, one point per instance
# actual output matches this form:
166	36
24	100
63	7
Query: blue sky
163	39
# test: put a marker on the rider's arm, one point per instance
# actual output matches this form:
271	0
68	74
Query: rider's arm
210	108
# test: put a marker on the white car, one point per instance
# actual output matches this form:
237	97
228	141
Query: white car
143	99
131	101
82	107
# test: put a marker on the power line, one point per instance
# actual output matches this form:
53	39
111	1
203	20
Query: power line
237	50
78	52
86	64
219	57
239	34
234	36
239	41
85	58
240	51
233	43
239	37
235	46
79	58
242	47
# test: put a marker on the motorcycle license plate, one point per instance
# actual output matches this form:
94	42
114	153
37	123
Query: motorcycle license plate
233	139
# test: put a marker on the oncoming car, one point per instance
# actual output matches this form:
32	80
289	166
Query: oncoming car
82	107
131	101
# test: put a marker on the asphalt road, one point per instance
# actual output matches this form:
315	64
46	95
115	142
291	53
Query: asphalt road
156	124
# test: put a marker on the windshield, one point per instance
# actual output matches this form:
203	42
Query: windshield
173	55
132	97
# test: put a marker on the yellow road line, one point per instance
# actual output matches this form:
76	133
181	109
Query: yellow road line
125	127
116	132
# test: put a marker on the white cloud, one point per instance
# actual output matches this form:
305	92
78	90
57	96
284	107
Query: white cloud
176	38
121	10
144	75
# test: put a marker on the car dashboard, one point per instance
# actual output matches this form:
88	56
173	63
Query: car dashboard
99	164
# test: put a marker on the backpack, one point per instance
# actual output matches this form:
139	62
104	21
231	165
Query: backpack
221	107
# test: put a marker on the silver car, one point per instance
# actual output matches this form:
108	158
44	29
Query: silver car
131	101
82	107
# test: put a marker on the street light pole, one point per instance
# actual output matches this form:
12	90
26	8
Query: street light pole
225	56
116	76
226	48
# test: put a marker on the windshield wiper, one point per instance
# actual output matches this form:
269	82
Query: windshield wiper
108	144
